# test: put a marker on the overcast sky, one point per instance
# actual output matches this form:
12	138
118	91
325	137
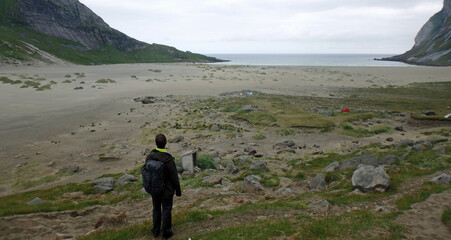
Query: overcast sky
271	26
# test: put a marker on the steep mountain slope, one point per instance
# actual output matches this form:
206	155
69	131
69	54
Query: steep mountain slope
433	42
69	30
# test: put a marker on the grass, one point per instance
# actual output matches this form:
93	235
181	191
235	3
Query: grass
7	80
54	201
43	180
205	161
446	218
103	80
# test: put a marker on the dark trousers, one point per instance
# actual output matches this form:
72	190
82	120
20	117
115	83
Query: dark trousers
160	204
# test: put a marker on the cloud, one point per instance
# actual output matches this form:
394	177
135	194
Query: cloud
271	25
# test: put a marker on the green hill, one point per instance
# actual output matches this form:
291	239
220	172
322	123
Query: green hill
44	30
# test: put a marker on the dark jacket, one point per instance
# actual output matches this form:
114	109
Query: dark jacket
171	177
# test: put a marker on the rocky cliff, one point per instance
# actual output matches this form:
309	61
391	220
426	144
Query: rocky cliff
85	37
433	41
71	20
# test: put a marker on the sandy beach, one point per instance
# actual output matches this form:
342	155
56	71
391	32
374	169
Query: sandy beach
28	115
90	111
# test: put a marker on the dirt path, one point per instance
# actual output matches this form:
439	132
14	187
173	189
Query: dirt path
424	219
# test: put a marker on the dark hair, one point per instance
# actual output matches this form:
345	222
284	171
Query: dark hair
160	140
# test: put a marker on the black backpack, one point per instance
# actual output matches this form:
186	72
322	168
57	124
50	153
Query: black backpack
153	176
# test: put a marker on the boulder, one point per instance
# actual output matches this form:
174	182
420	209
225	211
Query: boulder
318	183
320	206
213	179
252	183
355	161
177	139
370	179
258	166
331	167
34	201
126	179
103	185
442	178
231	168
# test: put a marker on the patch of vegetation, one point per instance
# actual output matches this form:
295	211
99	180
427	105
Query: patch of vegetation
446	218
7	80
80	75
32	84
205	161
348	130
259	136
270	181
103	80
67	81
78	88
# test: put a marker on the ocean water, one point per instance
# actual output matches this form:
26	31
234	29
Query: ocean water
307	59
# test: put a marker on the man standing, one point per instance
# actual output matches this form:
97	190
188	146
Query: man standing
165	198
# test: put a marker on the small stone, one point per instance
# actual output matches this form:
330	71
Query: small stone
258	166
215	128
103	185
126	179
252	183
70	169
442	178
318	183
331	167
320	206
34	201
389	139
177	139
231	168
399	128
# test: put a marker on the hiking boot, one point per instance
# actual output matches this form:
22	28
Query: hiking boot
154	233
167	235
